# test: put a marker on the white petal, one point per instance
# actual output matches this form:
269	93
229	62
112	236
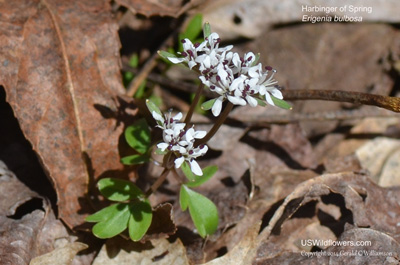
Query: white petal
176	60
252	101
237	100
269	99
178	162
254	71
178	116
189	134
157	117
200	134
216	108
237	84
191	64
194	166
277	93
162	146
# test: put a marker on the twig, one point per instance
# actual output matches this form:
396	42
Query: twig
390	103
148	66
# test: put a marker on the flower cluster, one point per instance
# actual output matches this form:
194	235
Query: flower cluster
180	141
241	80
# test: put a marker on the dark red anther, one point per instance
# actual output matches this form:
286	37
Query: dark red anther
183	41
201	146
218	78
268	68
196	45
184	54
212	87
191	152
250	58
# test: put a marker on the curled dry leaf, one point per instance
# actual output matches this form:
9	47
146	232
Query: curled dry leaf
60	256
118	251
60	64
25	234
362	204
380	157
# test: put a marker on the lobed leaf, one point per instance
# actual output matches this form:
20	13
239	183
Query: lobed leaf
111	220
138	136
140	219
119	189
208	172
203	211
135	159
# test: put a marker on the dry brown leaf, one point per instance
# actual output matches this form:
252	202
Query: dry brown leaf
250	18
27	229
149	8
380	157
243	253
118	251
60	256
362	204
60	69
322	53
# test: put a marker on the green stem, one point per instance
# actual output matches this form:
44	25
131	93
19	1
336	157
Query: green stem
217	124
193	105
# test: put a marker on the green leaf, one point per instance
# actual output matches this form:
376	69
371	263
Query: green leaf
281	103
112	220
187	171
194	27
183	199
153	107
261	102
135	159
208	172
138	136
140	219
206	30
204	213
166	55
208	104
118	189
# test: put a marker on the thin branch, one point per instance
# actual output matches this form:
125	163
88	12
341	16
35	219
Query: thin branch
390	103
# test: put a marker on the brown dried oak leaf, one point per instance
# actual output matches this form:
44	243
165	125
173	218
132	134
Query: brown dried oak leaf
60	67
